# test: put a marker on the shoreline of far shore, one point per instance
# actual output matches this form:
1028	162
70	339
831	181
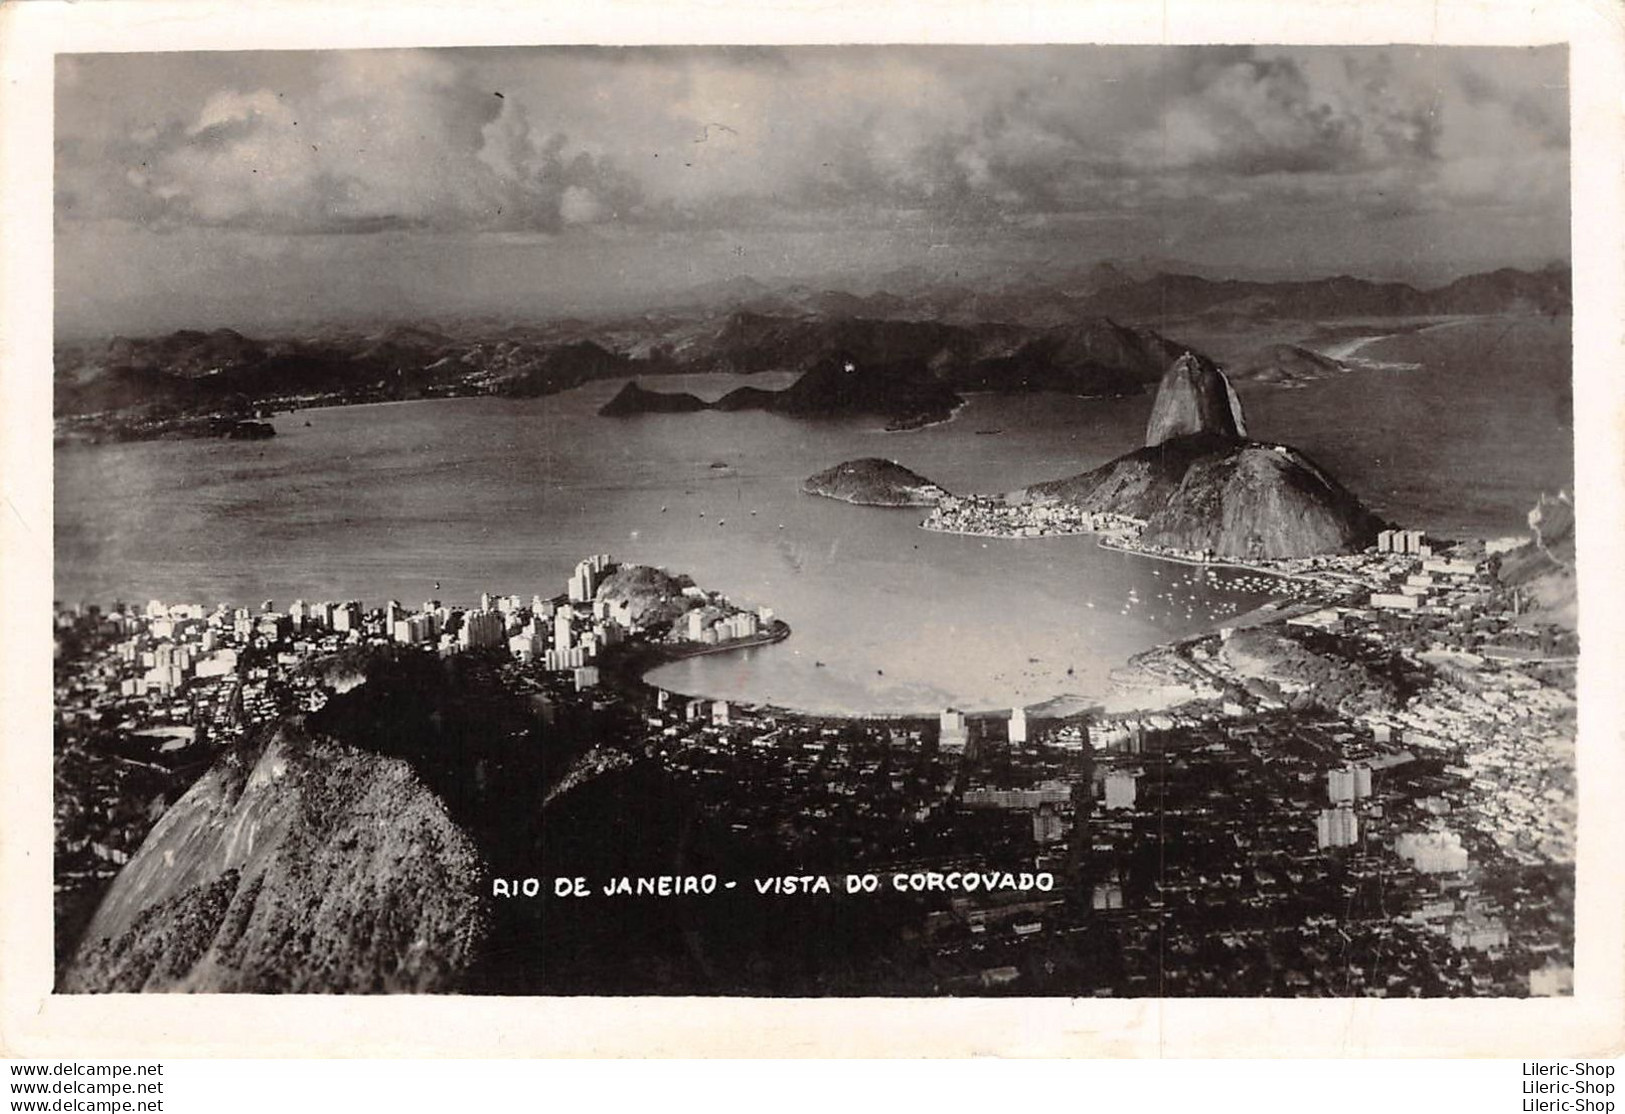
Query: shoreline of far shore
1107	540
101	428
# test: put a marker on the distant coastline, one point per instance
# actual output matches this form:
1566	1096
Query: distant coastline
916	357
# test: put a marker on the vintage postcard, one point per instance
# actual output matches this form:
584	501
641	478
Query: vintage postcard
930	534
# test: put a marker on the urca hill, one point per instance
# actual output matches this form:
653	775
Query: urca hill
874	482
1201	485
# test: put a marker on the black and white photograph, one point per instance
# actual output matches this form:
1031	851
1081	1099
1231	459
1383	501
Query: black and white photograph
817	520
1084	521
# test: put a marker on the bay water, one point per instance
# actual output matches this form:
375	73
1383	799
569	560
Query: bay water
447	499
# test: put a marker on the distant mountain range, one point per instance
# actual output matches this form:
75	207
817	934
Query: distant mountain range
909	372
1132	293
1094	331
1174	296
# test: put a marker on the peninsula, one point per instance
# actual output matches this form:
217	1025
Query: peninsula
1199	489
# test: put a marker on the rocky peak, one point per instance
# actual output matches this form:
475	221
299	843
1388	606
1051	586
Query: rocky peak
1552	522
1194	397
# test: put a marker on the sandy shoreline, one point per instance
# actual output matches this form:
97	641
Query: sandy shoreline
1349	350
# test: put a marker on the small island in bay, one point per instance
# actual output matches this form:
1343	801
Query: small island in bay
1199	489
875	482
904	392
96	429
635	399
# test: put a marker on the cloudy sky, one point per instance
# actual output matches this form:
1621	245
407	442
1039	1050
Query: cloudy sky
260	188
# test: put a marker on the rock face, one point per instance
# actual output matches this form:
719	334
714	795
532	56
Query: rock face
874	482
1542	571
1261	501
354	849
1137	484
1194	397
1202	488
307	866
1552	522
1239	499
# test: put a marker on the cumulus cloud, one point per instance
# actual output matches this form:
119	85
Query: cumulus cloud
550	140
377	140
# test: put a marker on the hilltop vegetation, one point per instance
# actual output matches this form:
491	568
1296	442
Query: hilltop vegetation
1282	667
652	595
874	482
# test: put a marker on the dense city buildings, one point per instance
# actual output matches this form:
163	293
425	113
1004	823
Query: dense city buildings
1394	788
